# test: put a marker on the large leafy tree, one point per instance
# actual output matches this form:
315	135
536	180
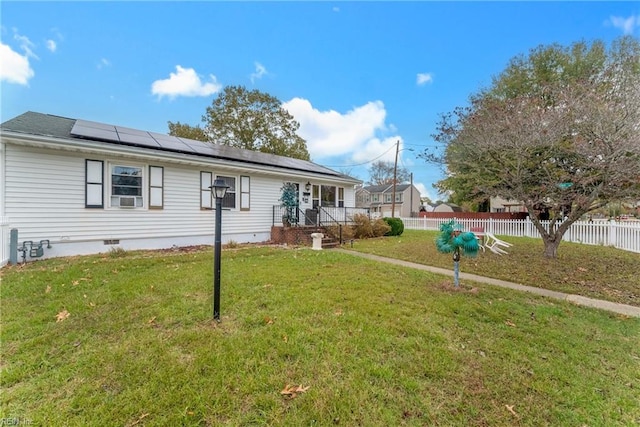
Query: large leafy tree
382	173
187	131
558	129
248	119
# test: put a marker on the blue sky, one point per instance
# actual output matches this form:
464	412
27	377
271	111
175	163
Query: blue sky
358	76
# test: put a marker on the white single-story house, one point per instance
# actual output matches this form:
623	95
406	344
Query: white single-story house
87	187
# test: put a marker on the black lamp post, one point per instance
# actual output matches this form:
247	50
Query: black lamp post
218	190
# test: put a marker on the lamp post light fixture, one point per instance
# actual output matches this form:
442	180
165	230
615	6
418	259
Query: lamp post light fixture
218	191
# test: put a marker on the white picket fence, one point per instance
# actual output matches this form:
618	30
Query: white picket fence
623	235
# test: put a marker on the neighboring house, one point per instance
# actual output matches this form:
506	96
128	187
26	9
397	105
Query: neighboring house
498	204
447	207
88	187
379	200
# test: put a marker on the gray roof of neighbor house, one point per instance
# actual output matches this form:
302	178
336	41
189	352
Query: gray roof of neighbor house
384	188
32	123
453	206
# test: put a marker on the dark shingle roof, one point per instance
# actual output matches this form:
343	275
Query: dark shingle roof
33	123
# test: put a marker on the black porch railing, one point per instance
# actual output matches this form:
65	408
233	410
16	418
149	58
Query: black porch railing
322	216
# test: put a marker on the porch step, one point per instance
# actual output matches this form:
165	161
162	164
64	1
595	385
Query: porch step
301	235
330	243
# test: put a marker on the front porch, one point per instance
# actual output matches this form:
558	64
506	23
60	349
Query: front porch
301	236
292	226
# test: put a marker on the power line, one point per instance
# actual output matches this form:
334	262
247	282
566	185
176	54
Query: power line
360	164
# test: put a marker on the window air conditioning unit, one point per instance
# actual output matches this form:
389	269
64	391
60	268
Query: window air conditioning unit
127	202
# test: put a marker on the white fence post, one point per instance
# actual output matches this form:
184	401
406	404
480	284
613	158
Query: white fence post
613	233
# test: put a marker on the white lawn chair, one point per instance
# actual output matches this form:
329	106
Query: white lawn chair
480	236
495	245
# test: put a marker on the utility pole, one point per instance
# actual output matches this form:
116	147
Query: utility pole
411	189
395	173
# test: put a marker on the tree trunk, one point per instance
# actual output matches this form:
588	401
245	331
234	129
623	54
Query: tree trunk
552	236
551	247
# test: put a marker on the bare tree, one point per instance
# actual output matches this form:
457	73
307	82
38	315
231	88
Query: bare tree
559	130
381	173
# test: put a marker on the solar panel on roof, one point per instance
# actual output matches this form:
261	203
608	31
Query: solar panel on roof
171	143
144	140
200	147
120	134
95	133
90	124
129	131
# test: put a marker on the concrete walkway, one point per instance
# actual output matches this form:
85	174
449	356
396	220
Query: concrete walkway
625	309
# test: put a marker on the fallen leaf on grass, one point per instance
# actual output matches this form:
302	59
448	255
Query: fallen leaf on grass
510	409
139	420
63	315
48	289
153	319
582	269
292	391
268	320
510	323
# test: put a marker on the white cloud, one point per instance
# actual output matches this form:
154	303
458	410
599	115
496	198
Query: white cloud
185	82
336	9
357	134
104	62
424	78
51	45
627	25
378	149
424	192
25	44
15	68
260	71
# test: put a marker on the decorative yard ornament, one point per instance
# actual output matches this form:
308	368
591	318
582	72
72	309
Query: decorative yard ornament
452	239
289	200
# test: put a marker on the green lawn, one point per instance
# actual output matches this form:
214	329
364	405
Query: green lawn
376	345
600	272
